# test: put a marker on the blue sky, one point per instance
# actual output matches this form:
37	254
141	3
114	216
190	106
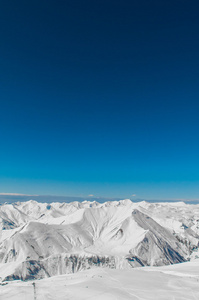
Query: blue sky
100	98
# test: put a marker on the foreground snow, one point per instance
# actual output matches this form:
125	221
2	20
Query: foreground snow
180	282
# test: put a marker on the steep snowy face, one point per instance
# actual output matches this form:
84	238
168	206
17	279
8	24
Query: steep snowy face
39	239
159	247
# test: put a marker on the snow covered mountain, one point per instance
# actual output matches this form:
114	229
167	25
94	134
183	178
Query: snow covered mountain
42	240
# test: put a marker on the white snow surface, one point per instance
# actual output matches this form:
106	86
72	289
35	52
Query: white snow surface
174	282
41	240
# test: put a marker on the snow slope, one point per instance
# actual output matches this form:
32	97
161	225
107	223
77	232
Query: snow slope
174	282
41	240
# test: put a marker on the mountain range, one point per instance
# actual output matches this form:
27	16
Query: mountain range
40	240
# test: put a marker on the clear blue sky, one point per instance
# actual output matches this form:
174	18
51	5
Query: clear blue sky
100	97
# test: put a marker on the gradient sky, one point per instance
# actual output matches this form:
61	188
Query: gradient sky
100	97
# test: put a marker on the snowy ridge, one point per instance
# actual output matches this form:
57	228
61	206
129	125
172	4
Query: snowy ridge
42	240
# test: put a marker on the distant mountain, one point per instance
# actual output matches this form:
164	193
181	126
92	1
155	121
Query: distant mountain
41	240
